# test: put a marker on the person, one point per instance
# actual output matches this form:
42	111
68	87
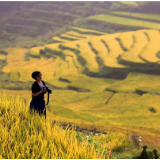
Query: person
38	90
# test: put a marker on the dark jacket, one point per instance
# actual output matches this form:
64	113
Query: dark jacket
35	89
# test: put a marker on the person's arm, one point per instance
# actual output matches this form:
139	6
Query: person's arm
34	90
37	94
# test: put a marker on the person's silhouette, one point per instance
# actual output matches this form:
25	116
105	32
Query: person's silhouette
144	153
155	154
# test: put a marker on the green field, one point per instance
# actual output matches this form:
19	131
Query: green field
128	2
139	15
126	21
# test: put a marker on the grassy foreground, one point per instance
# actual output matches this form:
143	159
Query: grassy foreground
27	135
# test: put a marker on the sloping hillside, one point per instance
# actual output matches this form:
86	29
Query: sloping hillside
104	69
29	24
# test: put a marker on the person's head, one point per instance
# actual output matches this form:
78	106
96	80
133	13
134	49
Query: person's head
37	75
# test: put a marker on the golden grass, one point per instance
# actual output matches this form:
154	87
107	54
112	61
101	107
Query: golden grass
14	58
2	57
144	82
89	30
148	101
121	104
89	56
150	52
15	54
71	66
63	69
71	45
35	51
25	68
117	143
43	65
80	34
54	46
115	51
90	102
69	36
14	76
103	52
126	39
90	109
75	60
141	42
25	135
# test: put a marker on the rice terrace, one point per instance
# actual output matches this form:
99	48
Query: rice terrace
102	61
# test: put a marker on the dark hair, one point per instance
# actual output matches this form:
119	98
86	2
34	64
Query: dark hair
35	74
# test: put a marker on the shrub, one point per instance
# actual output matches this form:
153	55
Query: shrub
152	110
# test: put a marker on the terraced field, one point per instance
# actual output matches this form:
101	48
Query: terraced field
31	23
139	15
126	21
102	60
100	56
128	2
101	80
2	57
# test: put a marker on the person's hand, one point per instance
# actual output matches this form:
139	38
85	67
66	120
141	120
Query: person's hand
44	90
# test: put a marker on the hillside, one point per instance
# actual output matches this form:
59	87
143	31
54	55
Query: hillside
101	59
30	136
26	24
93	75
30	24
85	52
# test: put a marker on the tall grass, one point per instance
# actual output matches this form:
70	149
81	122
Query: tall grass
29	136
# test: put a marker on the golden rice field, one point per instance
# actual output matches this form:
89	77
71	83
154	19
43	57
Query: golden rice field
82	75
89	30
35	50
141	42
76	34
127	39
2	57
149	54
79	57
89	57
59	39
75	62
149	83
103	52
27	135
66	36
54	46
115	51
71	45
41	140
15	55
